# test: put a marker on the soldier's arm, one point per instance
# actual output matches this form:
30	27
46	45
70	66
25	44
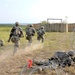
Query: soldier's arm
33	30
11	33
21	31
43	31
12	30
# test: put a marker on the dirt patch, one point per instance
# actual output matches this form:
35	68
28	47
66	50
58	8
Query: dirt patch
12	65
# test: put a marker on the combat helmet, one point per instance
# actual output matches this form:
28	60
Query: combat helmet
42	27
31	25
71	53
17	23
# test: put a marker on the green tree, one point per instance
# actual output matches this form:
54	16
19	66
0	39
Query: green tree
44	23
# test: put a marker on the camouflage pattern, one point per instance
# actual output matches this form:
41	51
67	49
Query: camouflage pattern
16	31
40	34
16	46
1	43
63	58
30	31
15	35
60	59
71	53
29	38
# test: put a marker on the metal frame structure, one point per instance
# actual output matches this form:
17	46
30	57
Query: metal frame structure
54	24
54	19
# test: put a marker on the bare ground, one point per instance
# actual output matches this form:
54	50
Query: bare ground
12	65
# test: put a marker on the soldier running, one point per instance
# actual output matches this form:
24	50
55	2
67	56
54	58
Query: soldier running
15	35
30	31
40	34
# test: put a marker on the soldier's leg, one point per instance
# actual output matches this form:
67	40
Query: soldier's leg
16	47
42	38
30	39
38	38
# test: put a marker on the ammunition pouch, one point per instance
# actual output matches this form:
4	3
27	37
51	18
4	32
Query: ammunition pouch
15	38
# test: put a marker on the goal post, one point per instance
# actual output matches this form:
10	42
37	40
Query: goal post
54	19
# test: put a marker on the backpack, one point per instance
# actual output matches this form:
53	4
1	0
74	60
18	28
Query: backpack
40	32
14	39
29	32
60	55
16	31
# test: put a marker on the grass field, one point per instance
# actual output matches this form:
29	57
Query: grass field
53	40
12	65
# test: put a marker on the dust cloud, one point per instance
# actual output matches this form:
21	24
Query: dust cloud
27	50
30	48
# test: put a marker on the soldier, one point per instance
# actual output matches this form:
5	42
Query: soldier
40	34
30	31
71	53
15	35
63	58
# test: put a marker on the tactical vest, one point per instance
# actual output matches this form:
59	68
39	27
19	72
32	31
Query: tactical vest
29	32
60	54
15	36
40	32
16	31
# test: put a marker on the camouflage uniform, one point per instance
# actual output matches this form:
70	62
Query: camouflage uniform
30	31
15	35
63	58
40	34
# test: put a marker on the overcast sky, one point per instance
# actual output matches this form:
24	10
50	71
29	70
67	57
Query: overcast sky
34	11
